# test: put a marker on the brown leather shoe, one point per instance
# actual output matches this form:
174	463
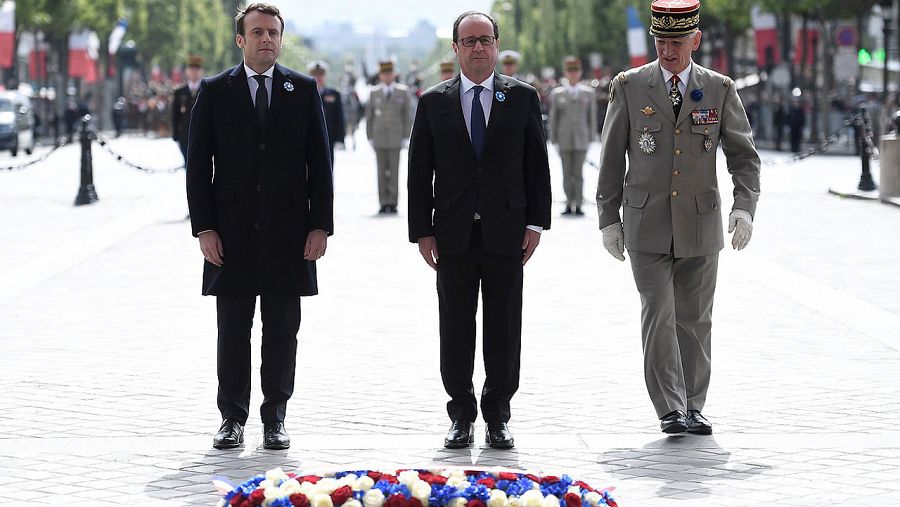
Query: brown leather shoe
673	422
498	436
230	435
697	424
275	436
460	435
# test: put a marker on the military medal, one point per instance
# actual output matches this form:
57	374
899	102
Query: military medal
707	144
647	142
648	111
289	86
500	96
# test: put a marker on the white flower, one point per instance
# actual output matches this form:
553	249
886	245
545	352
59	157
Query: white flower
364	483
464	485
373	498
421	490
457	473
308	489
290	487
515	502
349	480
550	501
532	498
276	474
457	502
273	493
592	498
352	502
455	481
327	485
574	489
408	478
321	500
267	484
498	498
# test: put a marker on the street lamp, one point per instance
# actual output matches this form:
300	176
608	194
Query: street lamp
887	8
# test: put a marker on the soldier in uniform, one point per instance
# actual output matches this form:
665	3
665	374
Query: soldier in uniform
183	100
388	121
669	117
573	126
331	103
509	60
448	70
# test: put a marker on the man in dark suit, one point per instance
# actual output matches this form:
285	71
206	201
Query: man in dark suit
331	102
479	194
260	196
183	99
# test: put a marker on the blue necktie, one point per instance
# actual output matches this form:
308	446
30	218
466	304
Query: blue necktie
478	124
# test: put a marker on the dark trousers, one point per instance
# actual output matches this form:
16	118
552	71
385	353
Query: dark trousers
458	280
280	321
183	147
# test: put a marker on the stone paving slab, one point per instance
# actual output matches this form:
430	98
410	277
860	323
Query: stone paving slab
109	383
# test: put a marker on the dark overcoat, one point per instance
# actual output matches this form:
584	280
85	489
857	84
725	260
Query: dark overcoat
262	188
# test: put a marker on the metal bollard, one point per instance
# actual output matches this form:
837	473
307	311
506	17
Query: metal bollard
864	127
86	192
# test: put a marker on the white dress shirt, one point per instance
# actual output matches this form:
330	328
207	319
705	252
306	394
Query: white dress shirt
255	84
683	77
466	95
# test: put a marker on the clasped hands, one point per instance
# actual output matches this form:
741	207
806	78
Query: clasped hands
212	250
429	251
739	222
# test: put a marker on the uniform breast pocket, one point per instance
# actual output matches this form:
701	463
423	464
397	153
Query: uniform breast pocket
645	136
704	140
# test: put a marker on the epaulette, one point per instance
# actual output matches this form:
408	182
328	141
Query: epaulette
622	77
726	81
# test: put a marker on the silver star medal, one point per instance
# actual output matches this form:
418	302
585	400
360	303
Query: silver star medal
647	142
289	86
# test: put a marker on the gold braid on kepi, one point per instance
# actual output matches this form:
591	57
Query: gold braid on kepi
674	18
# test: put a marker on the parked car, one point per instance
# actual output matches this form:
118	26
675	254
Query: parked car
16	123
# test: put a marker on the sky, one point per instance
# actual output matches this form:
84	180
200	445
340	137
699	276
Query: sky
402	14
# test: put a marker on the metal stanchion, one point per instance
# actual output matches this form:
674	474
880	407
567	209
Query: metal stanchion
864	126
86	192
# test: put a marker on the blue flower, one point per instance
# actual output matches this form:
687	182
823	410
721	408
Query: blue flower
441	495
697	95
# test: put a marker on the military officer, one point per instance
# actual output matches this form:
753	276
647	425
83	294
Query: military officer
388	122
331	104
669	117
509	60
448	70
573	126
183	100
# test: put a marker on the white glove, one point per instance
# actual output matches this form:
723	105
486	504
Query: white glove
614	240
741	224
405	144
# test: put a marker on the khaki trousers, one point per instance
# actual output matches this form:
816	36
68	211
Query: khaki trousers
573	183
676	323
388	161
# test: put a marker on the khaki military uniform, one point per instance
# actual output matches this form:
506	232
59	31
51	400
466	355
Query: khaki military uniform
388	122
573	126
672	213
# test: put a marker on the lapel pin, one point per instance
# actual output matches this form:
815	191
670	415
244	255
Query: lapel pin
500	96
648	111
289	86
697	95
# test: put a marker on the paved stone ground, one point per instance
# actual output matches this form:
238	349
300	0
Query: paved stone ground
109	374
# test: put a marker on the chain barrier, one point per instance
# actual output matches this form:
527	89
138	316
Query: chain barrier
30	163
104	143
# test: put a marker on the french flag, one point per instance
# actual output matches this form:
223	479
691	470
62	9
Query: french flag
637	38
83	55
765	30
7	33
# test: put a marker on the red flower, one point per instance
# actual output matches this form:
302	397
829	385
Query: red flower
506	476
257	497
292	475
299	500
415	502
583	485
396	500
472	472
374	475
246	503
550	479
432	479
534	478
475	503
312	479
487	481
612	503
236	500
389	478
572	500
341	495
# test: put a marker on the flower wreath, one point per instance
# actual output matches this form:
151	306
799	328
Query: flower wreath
414	488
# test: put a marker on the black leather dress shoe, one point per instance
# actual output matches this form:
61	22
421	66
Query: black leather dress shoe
697	424
230	435
578	211
673	422
498	436
460	435
275	436
568	211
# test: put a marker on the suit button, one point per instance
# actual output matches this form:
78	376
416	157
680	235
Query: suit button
676	172
626	201
256	225
677	131
674	193
677	151
262	146
259	188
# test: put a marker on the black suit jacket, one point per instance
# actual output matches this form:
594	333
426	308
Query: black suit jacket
182	102
262	188
509	186
334	115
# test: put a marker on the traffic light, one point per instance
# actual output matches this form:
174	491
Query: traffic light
878	55
864	56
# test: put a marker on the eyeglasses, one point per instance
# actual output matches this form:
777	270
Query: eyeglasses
485	40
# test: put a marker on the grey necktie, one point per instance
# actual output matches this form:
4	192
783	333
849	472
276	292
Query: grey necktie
262	98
